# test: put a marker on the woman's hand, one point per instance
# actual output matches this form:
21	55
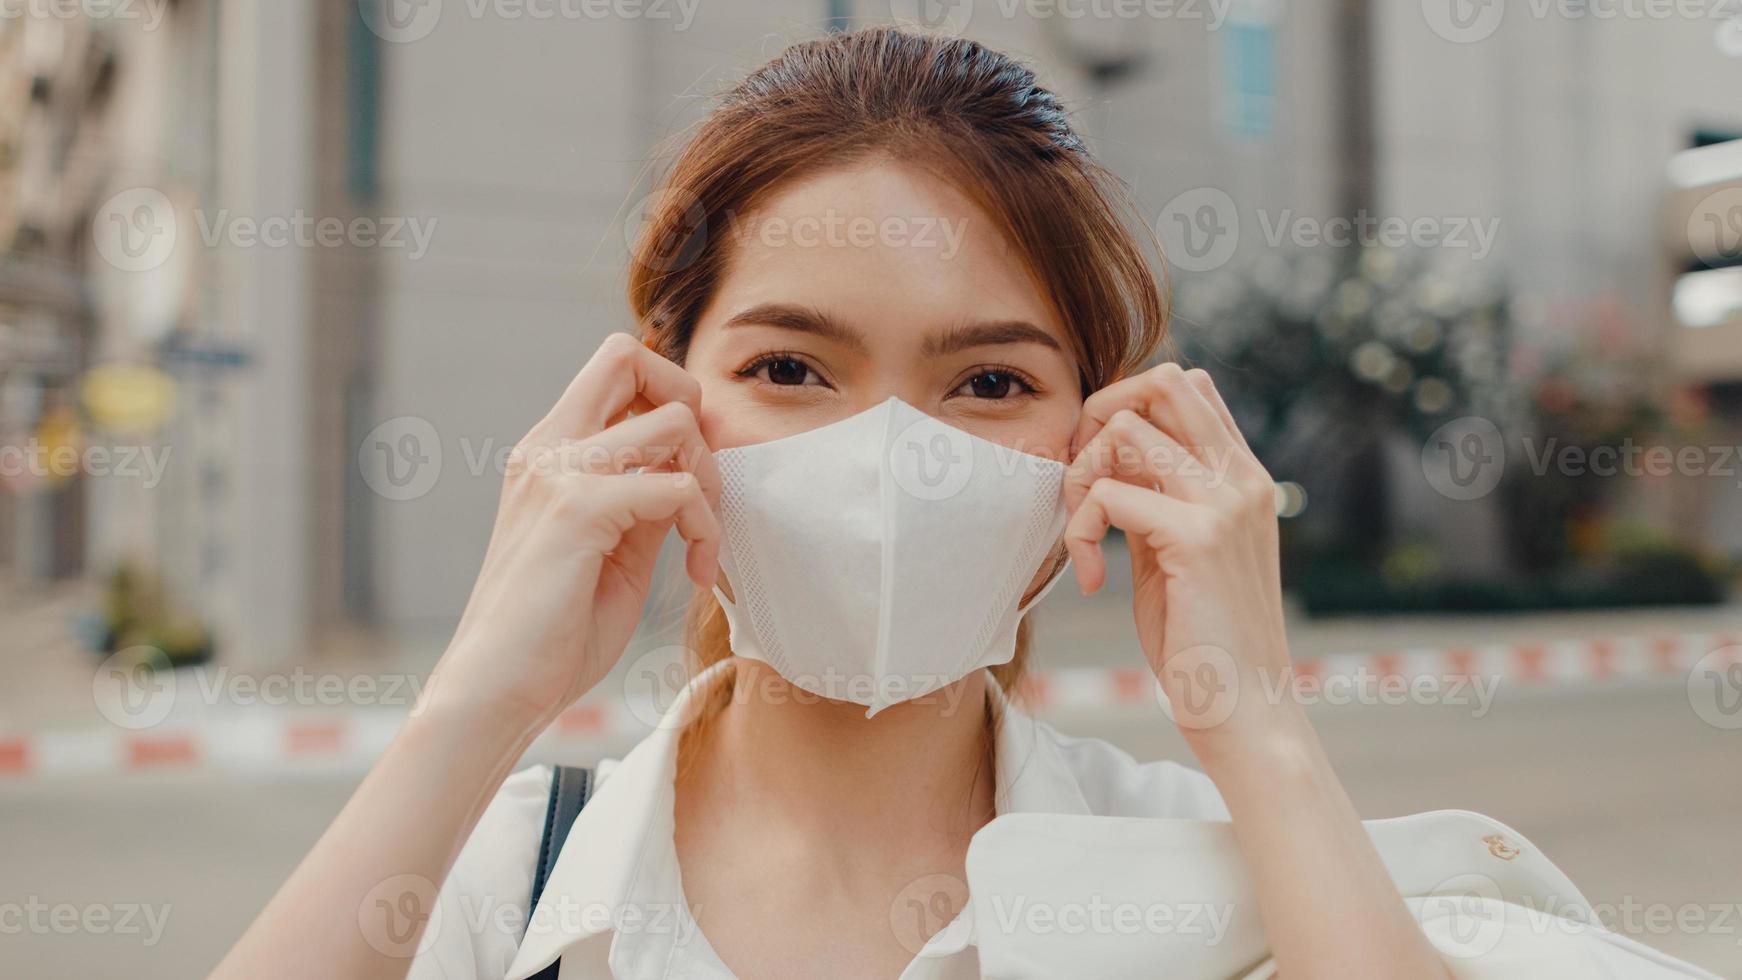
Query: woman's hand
587	499
589	496
1159	456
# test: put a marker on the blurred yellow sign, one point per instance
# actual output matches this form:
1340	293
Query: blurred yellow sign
134	399
59	441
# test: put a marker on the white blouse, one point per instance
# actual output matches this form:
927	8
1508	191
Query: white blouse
1095	866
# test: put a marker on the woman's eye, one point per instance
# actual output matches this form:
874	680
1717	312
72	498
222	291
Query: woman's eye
784	371
994	384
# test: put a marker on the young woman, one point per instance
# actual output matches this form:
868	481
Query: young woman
891	376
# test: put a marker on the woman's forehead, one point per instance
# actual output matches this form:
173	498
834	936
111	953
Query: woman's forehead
884	244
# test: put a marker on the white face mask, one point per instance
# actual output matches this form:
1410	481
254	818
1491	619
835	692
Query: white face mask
884	556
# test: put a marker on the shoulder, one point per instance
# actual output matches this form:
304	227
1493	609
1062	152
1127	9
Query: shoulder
1115	784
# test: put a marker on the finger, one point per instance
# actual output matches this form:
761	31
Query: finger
667	438
1206	388
1131	449
1146	516
621	377
1236	460
674	498
1163	396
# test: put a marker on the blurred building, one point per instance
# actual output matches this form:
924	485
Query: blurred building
1702	269
56	80
343	399
560	122
142	123
1562	123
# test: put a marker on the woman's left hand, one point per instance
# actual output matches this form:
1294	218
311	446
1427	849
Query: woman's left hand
1159	456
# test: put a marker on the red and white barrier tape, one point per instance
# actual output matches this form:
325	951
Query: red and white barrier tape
280	741
1557	662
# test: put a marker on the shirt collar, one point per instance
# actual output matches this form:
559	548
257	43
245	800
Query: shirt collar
1033	774
623	874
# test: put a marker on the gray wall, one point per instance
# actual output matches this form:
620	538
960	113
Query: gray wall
527	140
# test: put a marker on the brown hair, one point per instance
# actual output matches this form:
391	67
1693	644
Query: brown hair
977	116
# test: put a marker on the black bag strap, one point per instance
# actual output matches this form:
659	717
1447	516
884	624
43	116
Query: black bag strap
570	788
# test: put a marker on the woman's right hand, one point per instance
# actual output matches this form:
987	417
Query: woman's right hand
587	499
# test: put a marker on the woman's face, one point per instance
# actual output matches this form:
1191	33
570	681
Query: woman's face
877	280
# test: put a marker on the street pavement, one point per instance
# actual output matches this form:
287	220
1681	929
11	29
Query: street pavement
1634	794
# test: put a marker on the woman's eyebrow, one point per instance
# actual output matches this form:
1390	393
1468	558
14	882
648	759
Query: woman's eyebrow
789	317
987	334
